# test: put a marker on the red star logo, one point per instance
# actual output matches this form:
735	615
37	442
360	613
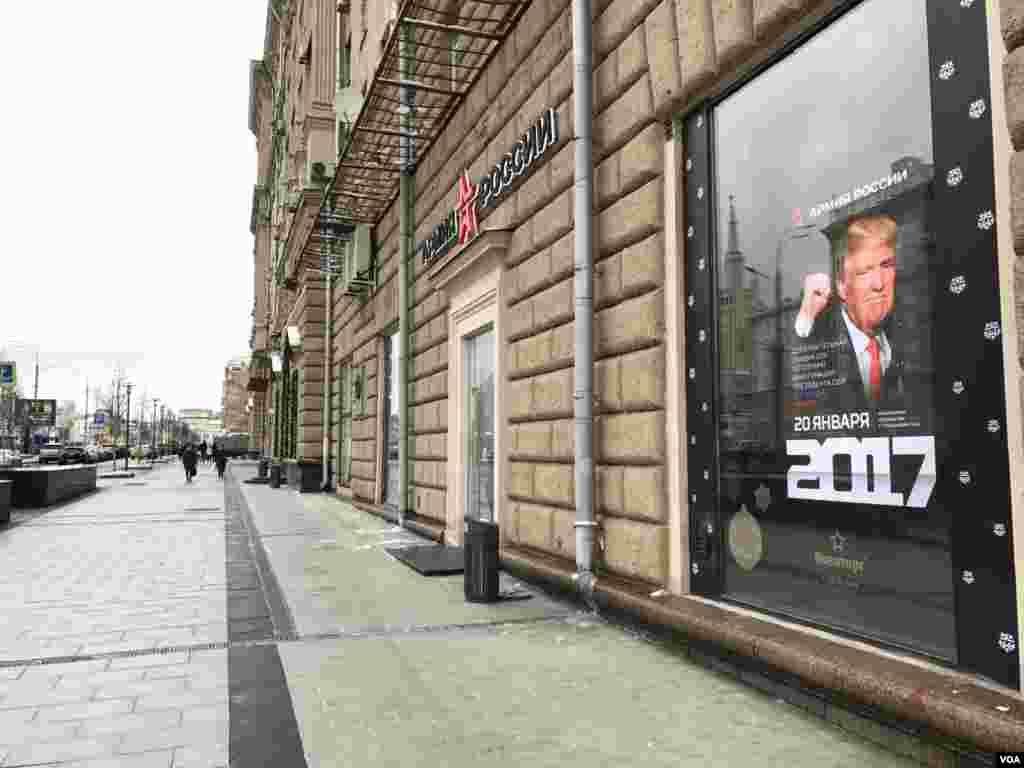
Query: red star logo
465	209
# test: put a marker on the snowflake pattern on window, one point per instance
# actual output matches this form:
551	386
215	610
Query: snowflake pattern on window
947	70
999	529
968	577
689	232
992	426
700	264
707	475
992	330
704	407
977	109
702	335
1007	643
966	3
954	177
700	121
693	498
958	387
690	301
709	527
693	439
965	477
985	220
695	569
689	163
957	284
700	193
693	374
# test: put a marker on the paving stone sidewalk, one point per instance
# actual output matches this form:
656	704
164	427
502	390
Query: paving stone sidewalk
395	669
113	648
156	624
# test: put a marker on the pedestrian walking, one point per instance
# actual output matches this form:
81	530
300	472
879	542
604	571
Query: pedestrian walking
222	461
188	459
202	450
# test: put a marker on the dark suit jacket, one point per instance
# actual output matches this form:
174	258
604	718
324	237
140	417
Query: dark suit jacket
842	360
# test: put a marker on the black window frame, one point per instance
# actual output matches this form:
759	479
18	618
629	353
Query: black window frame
985	601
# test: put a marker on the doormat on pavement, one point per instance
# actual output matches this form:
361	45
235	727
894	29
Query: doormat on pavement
431	559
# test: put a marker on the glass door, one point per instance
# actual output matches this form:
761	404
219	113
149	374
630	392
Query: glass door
391	423
478	423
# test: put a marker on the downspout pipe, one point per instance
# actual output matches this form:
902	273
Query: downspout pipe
405	255
583	292
328	344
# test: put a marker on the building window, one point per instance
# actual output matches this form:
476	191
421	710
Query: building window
343	133
344	468
836	260
345	66
293	415
392	344
456	56
352	397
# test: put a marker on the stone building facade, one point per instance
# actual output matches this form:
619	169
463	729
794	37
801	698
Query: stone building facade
491	349
235	397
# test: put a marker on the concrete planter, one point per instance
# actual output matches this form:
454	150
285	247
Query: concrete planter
5	500
43	486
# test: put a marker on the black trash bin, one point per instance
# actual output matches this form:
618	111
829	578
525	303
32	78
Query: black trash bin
275	475
480	548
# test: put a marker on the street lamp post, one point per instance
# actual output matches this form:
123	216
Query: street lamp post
156	402
128	427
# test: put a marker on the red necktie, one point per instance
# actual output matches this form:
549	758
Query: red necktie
874	370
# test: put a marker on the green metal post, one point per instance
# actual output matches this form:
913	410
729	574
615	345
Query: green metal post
405	256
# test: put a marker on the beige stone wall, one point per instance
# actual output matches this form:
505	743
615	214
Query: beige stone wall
309	314
1008	72
652	59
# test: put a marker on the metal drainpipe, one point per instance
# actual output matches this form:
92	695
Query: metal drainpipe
583	288
328	342
405	255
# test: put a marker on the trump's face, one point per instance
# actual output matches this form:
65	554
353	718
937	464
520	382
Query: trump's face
868	284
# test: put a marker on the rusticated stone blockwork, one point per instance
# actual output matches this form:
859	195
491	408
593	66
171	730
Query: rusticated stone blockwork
650	58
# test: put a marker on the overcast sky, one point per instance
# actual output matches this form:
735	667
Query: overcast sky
128	174
832	116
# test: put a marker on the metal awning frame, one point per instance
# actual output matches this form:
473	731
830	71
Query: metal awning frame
369	167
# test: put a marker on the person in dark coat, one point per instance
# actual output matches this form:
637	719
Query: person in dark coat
202	451
188	459
221	460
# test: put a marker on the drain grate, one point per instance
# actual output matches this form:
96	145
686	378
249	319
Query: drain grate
286	636
48	660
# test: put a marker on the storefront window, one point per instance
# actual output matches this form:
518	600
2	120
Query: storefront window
391	420
478	424
345	425
825	255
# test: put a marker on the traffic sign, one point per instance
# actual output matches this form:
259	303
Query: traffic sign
100	419
8	373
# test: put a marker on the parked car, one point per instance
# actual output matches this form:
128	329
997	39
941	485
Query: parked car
10	457
74	454
94	452
50	453
106	452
